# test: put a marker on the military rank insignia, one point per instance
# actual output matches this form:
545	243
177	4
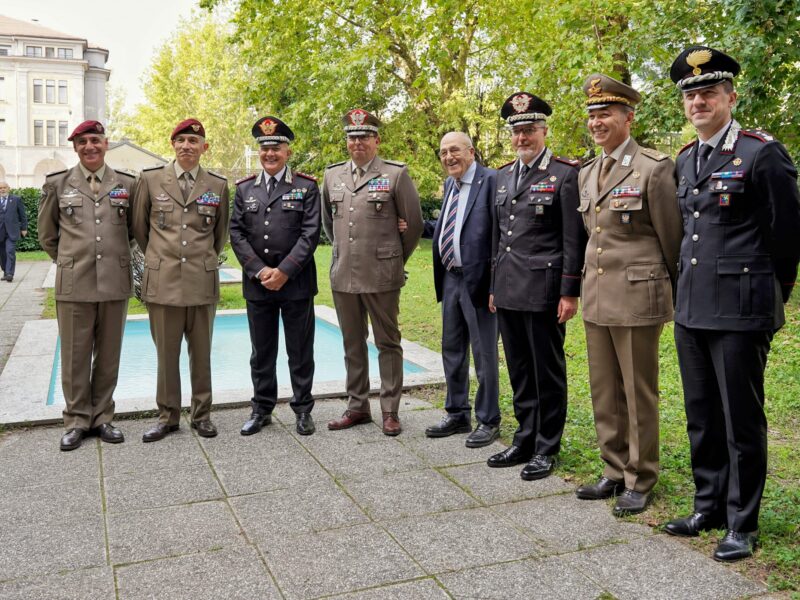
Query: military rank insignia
291	205
544	187
293	195
209	199
162	198
626	191
118	193
625	218
378	184
724	199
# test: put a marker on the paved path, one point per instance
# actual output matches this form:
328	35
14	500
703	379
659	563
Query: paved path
20	301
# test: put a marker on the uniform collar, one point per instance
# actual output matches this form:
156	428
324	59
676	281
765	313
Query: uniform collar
469	174
714	140
179	171
279	176
617	152
86	172
365	167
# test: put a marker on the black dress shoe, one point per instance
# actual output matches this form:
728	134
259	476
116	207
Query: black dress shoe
72	439
482	436
736	545
205	428
604	488
513	455
539	467
158	432
110	434
449	425
693	524
255	423
630	502
304	424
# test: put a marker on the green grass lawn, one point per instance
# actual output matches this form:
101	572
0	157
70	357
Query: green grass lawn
777	563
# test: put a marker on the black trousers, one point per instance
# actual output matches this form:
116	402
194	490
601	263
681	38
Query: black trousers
534	349
723	390
298	333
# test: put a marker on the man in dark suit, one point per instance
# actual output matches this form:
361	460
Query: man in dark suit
13	223
462	251
274	232
539	243
738	263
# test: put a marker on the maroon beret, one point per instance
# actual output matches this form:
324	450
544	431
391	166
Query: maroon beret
87	127
192	126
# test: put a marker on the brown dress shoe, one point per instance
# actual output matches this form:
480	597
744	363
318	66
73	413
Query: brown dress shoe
72	439
205	428
349	419
391	424
110	434
158	432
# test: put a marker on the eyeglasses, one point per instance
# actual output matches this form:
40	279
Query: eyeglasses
516	132
455	151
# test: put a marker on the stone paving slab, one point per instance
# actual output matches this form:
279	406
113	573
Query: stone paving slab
445	452
422	589
496	486
86	584
369	460
48	503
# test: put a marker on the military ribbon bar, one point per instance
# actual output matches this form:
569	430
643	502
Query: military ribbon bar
379	184
728	175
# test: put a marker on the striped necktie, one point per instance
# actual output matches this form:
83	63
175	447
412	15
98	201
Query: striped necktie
448	233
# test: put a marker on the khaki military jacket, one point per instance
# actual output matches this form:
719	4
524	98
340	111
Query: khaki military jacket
88	238
360	219
181	240
635	229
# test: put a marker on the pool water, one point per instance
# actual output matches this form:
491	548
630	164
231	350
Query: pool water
230	359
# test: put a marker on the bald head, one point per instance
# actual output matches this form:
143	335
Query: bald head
456	153
5	189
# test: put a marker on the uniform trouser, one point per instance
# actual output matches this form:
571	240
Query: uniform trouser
383	309
298	333
168	326
623	375
90	329
8	255
723	390
534	349
464	325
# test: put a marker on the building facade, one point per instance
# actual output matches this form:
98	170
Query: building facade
49	83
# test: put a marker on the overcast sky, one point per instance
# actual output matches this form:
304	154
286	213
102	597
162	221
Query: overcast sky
131	30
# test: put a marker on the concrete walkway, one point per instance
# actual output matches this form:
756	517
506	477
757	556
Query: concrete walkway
20	301
350	514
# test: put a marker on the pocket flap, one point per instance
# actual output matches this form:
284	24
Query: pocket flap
294	205
740	265
206	210
584	205
388	251
625	204
500	199
552	261
647	272
124	261
337	197
153	263
65	201
681	191
164	207
211	263
541	198
727	186
65	262
120	202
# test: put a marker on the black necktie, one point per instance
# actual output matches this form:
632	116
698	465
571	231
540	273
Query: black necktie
270	185
702	155
523	170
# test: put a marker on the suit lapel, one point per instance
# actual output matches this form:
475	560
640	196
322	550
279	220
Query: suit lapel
170	184
344	174
108	182
715	162
79	182
201	186
474	189
374	170
281	187
686	166
620	170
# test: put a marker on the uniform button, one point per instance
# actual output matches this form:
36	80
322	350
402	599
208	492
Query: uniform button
183	243
266	250
99	256
269	209
97	204
352	193
350	223
513	202
511	217
97	221
652	276
184	226
266	237
351	239
599	250
352	209
693	261
600	271
185	210
508	248
183	259
597	229
97	238
695	237
509	232
266	222
746	270
696	214
549	264
695	191
596	209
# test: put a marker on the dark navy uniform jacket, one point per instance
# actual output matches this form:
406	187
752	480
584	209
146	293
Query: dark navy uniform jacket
741	240
539	238
280	230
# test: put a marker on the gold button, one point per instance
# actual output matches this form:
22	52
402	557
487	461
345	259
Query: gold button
597	209
183	259
183	243
597	229
185	210
97	221
97	238
599	250
99	256
184	226
600	271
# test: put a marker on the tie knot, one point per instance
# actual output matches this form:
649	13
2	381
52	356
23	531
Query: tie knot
458	185
608	162
705	150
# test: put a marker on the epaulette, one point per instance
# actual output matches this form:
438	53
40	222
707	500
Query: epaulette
686	147
217	175
124	172
759	134
591	161
396	163
311	177
154	168
654	154
339	164
56	173
572	163
508	164
248	178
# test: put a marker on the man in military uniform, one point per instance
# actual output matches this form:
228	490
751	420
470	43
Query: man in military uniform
630	211
180	223
538	243
462	250
84	225
738	263
274	232
362	201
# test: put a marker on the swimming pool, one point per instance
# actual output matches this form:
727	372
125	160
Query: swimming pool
230	359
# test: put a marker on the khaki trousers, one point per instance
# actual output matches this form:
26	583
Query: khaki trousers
91	342
383	309
623	374
168	326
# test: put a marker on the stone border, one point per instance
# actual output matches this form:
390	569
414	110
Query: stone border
235	276
25	380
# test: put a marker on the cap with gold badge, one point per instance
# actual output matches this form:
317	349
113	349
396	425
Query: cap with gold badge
87	127
271	131
522	108
191	126
700	66
358	122
603	90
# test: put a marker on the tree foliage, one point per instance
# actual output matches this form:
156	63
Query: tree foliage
429	66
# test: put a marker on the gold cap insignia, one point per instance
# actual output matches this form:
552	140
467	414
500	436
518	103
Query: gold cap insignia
358	116
195	127
737	161
697	58
268	127
521	102
594	88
